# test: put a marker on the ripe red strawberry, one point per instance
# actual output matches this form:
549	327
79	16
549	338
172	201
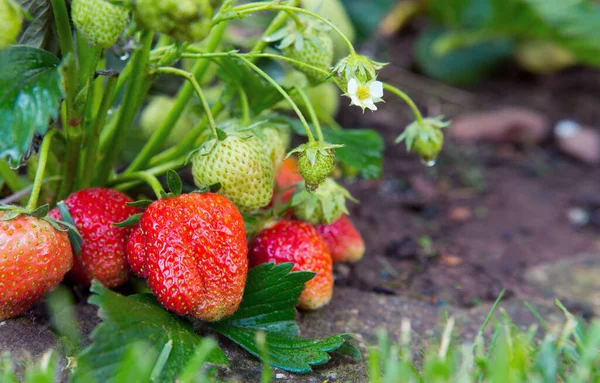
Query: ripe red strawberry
193	250
103	251
286	179
34	258
344	242
297	242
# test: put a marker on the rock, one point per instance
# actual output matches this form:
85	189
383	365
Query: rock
574	280
509	124
580	142
450	260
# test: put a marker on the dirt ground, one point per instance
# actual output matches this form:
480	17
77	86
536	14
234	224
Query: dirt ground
465	229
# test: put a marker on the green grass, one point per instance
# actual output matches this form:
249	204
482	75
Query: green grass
504	353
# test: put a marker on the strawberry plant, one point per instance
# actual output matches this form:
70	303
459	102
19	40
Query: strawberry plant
79	110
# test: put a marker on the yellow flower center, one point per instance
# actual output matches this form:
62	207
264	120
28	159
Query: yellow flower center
363	92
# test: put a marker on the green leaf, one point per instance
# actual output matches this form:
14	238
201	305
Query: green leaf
132	319
366	15
31	90
40	31
140	204
362	150
261	94
269	302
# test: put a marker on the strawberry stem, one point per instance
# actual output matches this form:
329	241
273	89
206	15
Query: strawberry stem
245	105
132	98
185	93
126	182
39	174
406	99
149	178
282	91
190	77
311	112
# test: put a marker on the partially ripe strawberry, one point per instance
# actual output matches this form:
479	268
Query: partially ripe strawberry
300	243
286	180
343	240
193	250
242	167
99	21
34	258
12	20
103	252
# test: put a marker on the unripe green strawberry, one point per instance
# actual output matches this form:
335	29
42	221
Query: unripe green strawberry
309	43
99	21
155	113
12	20
324	206
240	164
425	137
187	20
315	162
335	12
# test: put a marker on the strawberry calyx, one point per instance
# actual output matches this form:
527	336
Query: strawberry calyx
326	205
358	67
425	138
295	33
41	212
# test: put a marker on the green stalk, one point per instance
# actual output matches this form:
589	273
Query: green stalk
190	77
132	98
123	182
93	134
406	99
39	174
147	177
285	95
311	112
244	104
10	176
189	141
176	111
63	27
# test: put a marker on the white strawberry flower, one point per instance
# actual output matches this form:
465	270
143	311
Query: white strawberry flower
365	95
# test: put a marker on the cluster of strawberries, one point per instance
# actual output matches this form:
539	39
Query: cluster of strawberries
192	248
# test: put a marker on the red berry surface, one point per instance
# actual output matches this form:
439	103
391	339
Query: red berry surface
34	258
103	252
343	240
193	250
297	242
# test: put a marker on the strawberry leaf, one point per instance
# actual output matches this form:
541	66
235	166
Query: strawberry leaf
268	306
174	182
31	85
40	31
128	320
130	221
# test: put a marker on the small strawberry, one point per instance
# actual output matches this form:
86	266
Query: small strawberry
193	250
297	242
240	164
103	252
425	138
287	178
323	206
34	257
99	21
309	43
188	20
12	20
343	240
315	161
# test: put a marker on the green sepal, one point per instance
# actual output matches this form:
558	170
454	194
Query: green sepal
41	211
12	214
74	236
221	134
141	204
174	183
132	220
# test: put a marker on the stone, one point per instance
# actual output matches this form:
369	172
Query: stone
574	280
509	124
580	142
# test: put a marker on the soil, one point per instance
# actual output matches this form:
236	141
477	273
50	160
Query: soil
465	229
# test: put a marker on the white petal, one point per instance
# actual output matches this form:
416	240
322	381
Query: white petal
376	89
369	104
352	86
355	100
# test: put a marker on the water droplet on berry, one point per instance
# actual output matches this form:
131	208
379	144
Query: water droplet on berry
429	163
